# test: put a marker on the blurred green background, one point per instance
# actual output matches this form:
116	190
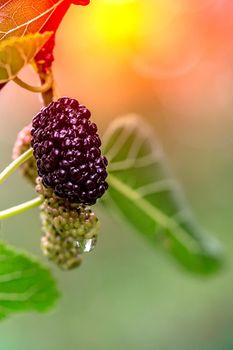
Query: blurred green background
127	294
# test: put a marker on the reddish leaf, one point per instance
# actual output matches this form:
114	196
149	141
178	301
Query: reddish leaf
20	17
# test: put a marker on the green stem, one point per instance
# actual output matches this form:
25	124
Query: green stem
10	169
18	209
37	89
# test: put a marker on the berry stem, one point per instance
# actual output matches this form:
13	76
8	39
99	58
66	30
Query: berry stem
18	209
13	166
37	89
50	94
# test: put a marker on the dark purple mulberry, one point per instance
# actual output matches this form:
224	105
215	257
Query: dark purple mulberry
67	150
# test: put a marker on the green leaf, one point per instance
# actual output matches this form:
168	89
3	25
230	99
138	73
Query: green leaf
16	52
25	285
143	191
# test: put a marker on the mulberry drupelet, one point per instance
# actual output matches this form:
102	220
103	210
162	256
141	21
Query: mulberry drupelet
67	150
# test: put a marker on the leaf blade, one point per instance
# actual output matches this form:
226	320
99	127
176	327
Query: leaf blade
146	194
25	285
16	52
18	18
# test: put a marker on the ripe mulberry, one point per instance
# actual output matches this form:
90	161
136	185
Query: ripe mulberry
67	150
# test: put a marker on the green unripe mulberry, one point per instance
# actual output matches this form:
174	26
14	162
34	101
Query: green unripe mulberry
69	229
22	144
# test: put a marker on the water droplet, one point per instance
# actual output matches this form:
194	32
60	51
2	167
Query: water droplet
86	245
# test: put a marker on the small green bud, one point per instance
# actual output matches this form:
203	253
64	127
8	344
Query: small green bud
22	144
